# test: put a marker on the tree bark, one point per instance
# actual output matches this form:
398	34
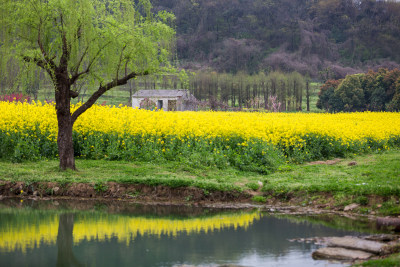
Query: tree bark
65	142
65	124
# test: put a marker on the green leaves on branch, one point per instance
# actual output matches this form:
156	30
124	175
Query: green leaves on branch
99	40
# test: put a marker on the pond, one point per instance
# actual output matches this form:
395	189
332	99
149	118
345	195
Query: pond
90	233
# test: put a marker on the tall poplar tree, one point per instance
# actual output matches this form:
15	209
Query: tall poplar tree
102	42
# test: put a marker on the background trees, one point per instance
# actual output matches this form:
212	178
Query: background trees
286	35
101	43
225	91
373	91
326	96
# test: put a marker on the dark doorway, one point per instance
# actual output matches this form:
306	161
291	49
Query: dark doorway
159	104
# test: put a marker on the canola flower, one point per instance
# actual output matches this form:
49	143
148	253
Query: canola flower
270	127
24	236
105	131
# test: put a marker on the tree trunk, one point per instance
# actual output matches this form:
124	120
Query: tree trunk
65	143
300	98
65	123
282	96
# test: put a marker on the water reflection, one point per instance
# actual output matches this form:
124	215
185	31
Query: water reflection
135	236
24	232
65	255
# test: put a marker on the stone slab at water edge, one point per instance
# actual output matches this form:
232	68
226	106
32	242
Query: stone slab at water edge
357	243
354	248
333	253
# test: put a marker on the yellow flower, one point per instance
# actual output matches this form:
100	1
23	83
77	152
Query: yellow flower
285	129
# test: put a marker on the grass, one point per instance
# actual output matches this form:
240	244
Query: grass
99	171
374	183
375	175
392	261
119	95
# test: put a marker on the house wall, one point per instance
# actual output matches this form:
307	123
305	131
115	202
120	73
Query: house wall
179	106
136	102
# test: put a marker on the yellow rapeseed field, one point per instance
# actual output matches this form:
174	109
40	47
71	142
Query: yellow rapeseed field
283	128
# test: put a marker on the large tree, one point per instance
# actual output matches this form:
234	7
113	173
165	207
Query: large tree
102	42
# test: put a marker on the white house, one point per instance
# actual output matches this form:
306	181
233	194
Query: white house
168	100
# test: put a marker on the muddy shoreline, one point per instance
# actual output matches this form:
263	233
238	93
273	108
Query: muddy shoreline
181	196
112	190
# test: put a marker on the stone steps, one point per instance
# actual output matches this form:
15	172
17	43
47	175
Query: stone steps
353	248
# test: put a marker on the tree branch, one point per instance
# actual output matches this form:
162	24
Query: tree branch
76	75
41	47
41	63
49	67
102	89
120	61
39	40
65	48
73	94
75	69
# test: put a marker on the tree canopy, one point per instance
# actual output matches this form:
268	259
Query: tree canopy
99	40
101	43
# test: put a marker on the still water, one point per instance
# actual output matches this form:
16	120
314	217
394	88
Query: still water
64	233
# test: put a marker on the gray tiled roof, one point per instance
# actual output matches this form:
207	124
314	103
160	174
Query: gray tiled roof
160	93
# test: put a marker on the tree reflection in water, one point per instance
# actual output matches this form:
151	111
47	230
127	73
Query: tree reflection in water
65	255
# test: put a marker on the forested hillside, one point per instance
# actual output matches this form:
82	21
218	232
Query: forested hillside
316	37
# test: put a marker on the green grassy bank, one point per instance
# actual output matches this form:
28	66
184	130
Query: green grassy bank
391	261
372	181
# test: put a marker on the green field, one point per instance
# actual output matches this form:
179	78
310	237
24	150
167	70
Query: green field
116	96
374	182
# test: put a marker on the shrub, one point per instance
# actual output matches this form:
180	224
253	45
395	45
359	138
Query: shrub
15	97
